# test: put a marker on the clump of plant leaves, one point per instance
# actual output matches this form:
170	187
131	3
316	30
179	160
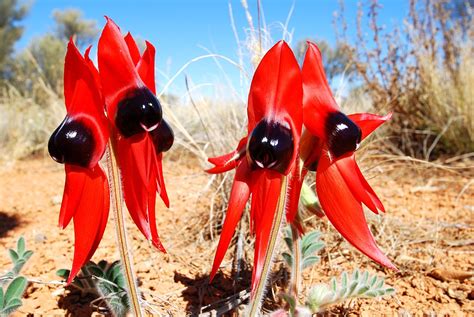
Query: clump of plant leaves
12	284
355	285
106	282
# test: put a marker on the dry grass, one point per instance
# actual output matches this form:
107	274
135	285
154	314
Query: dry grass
422	71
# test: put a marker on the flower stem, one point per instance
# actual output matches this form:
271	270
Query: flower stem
116	190
296	265
257	299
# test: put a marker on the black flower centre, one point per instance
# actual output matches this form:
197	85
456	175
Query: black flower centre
344	135
270	146
163	137
137	112
72	143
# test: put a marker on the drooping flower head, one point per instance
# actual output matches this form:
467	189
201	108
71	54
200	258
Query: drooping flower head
120	98
140	133
266	154
79	142
328	147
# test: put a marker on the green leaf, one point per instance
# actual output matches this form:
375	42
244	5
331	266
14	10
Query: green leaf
344	280
14	302
13	255
310	250
289	243
27	255
389	290
102	264
310	260
352	287
362	290
16	288
380	283
334	284
63	273
21	246
288	258
355	275
95	270
373	280
1	298
364	277
8	310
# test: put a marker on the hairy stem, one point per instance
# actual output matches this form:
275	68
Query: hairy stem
116	190
296	265
257	299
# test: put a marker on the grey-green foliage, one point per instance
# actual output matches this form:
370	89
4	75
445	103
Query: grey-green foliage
310	245
105	281
71	23
356	285
11	13
12	285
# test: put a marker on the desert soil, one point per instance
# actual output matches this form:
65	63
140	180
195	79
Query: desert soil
427	231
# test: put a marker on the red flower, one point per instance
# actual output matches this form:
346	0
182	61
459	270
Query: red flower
329	148
140	134
80	142
266	154
126	86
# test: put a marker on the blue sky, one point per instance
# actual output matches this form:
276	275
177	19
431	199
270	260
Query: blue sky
181	29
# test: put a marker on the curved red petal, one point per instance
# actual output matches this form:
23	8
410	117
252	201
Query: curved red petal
135	197
318	100
266	193
368	122
345	212
146	67
239	196
227	161
350	171
161	181
116	68
73	188
89	218
132	48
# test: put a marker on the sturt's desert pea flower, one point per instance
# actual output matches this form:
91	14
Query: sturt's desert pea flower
118	103
139	133
267	154
79	142
328	147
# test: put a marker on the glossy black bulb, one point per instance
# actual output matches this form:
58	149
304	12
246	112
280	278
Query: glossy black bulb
72	142
137	112
163	137
270	146
344	135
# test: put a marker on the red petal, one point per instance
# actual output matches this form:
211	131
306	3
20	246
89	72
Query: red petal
73	188
368	122
132	48
265	193
116	68
83	98
276	92
353	177
228	161
90	218
142	179
239	196
146	67
161	181
294	190
345	212
318	100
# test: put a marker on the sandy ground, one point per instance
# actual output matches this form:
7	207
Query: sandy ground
427	232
